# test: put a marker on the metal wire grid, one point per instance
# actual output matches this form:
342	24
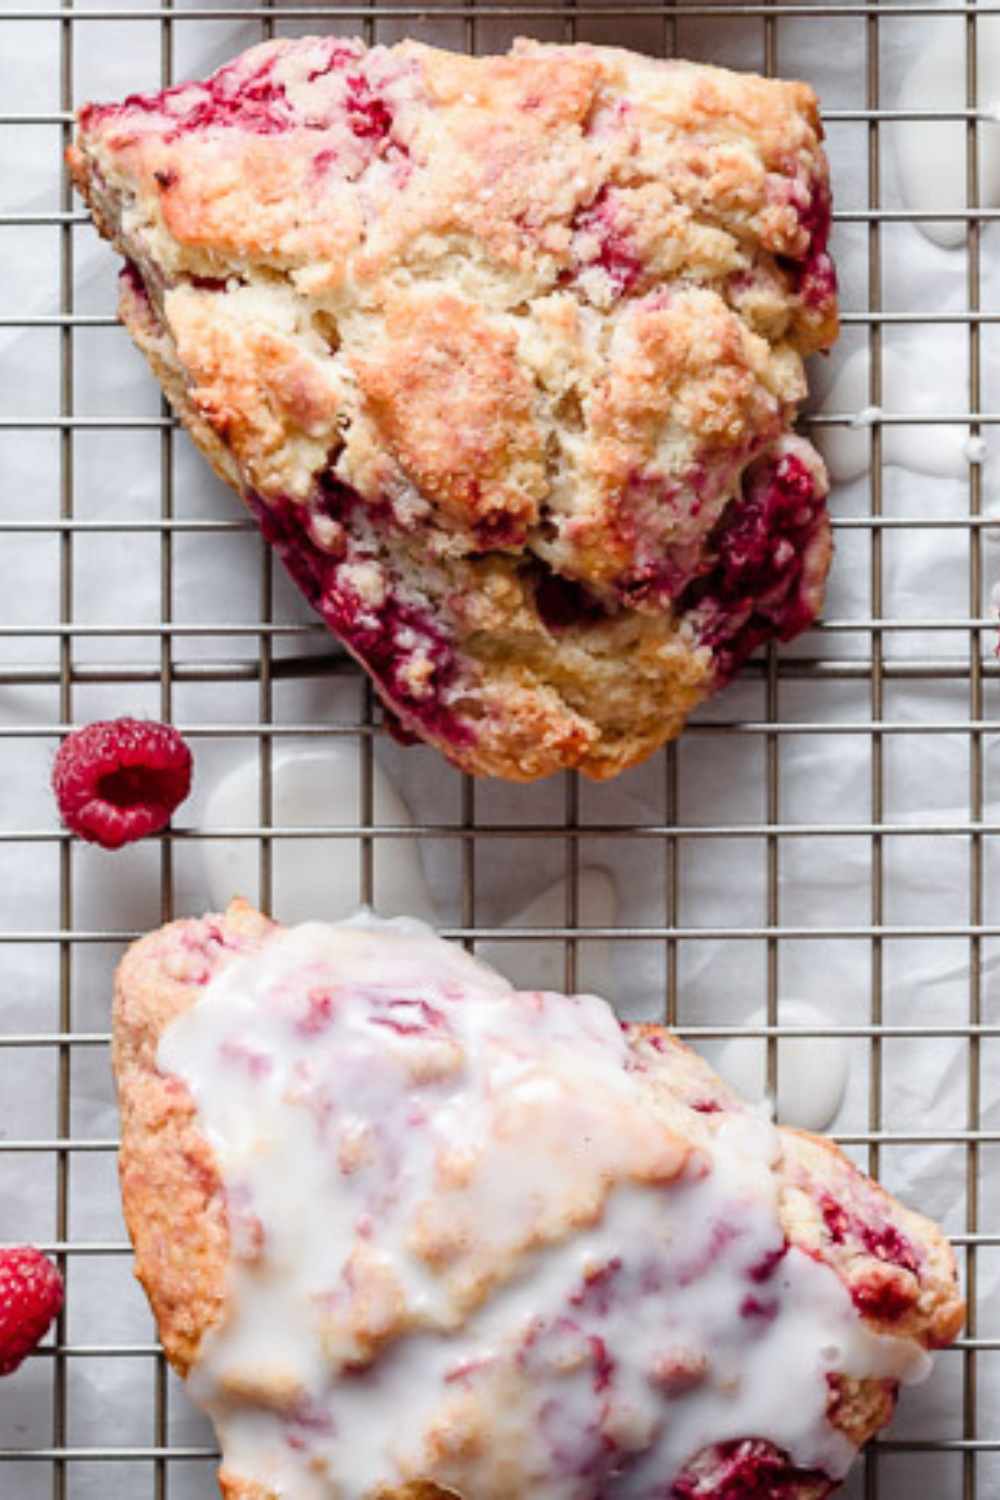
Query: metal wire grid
158	1464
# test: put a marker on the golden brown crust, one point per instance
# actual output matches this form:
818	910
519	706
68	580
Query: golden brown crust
233	1487
861	1408
441	357
545	312
255	390
171	1190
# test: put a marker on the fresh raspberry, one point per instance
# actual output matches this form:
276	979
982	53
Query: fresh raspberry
120	779
31	1294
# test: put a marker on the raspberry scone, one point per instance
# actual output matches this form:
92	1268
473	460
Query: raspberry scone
412	1234
502	353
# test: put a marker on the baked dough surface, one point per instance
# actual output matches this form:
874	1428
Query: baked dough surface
503	354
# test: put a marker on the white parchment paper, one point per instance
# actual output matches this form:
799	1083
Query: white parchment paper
826	779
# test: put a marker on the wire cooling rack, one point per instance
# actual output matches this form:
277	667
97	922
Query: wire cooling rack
69	1447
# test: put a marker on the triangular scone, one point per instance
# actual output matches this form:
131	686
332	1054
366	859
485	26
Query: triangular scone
502	353
411	1234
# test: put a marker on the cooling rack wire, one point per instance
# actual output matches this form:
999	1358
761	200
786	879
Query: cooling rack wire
66	1453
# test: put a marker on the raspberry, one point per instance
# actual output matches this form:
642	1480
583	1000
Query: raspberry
31	1294
120	779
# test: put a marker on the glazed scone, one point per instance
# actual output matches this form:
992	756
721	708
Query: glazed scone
412	1234
503	354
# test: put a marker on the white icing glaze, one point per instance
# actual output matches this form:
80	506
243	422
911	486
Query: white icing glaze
812	1070
931	154
314	785
463	1248
530	964
939	449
